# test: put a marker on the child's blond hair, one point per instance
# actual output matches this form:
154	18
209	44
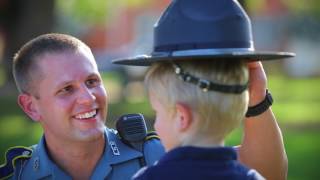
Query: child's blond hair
218	112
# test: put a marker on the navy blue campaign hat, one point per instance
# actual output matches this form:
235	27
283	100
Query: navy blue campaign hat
203	29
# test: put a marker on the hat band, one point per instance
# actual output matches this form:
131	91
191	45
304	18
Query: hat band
203	45
203	52
210	51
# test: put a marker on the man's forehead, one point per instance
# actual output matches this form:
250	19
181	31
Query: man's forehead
67	58
68	66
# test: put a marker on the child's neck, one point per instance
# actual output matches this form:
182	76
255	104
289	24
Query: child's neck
203	142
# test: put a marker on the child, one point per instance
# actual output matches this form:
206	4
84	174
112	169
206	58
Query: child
193	120
197	85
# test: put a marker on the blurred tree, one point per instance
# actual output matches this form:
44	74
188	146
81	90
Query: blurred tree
85	12
21	20
308	7
97	12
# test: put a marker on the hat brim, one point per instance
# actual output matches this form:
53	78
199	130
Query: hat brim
146	60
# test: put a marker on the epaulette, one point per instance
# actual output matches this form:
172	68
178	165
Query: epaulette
11	156
151	135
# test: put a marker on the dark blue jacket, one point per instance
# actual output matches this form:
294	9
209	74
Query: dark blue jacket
198	163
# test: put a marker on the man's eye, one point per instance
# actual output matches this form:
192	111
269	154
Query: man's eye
92	82
66	89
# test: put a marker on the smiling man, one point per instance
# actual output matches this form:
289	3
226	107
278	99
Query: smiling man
61	88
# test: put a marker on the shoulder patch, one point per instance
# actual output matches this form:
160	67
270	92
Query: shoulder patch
151	135
13	154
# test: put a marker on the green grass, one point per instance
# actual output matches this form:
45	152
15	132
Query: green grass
295	100
303	149
19	130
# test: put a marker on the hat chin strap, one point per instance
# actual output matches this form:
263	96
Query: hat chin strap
206	85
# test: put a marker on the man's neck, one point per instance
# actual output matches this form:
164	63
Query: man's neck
77	159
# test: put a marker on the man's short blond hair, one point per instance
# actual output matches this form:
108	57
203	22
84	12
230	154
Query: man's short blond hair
219	112
25	62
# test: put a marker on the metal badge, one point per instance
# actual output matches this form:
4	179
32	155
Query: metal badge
114	148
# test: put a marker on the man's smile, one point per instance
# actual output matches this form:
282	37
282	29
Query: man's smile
87	115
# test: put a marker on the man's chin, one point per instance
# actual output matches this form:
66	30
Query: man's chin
91	134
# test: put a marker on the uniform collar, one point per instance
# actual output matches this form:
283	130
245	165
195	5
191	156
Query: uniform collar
115	152
42	166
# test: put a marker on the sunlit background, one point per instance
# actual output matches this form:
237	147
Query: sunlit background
121	28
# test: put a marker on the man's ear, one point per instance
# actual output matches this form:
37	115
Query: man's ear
27	104
184	117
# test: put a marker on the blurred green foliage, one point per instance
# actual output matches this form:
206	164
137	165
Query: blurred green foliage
304	7
2	75
95	11
83	10
308	7
297	102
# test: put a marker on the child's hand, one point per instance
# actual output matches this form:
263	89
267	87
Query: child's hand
257	83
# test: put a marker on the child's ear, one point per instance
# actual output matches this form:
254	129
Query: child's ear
27	104
184	117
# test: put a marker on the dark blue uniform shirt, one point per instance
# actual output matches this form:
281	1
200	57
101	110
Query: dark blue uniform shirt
198	163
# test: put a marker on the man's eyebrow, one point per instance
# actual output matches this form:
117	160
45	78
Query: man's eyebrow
93	75
64	83
67	82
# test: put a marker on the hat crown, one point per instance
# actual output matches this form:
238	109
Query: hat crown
206	24
203	29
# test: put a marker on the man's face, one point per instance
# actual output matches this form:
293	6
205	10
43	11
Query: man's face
72	103
164	124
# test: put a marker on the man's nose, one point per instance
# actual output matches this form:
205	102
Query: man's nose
86	95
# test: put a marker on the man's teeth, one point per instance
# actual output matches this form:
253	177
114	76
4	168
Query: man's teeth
86	115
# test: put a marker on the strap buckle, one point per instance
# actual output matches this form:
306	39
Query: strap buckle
204	85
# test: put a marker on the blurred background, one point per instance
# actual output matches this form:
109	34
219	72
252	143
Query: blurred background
115	29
